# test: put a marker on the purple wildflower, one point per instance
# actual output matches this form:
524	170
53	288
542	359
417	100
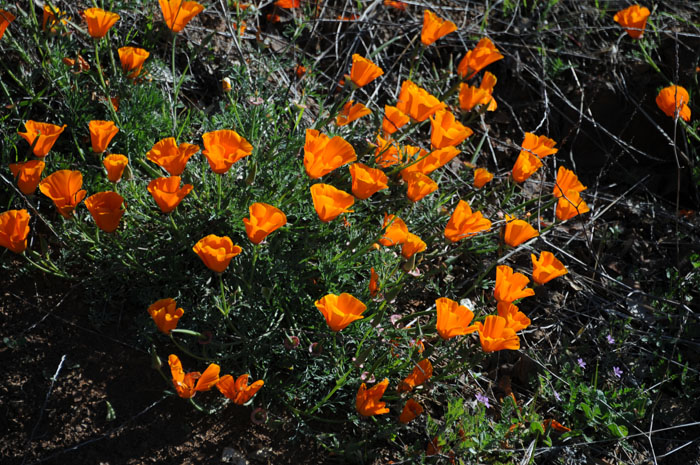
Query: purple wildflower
581	363
557	396
617	372
482	399
611	340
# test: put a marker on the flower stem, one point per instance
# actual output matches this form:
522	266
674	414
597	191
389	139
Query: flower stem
175	88
115	117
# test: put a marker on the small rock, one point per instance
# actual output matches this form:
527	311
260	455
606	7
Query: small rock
232	456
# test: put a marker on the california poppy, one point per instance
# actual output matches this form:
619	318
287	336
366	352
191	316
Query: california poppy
101	134
5	19
510	286
479	58
50	19
395	231
541	146
187	385
330	202
434	160
132	59
223	148
216	252
674	100
366	181
494	335
410	411
323	154
420	374
165	314
412	246
517	231
351	112
373	282
453	319
368	401
363	71
300	71
394	119
387	152
167	154
14	228
566	181
263	220
471	96
534	148
515	319
464	223
288	3
396	4
238	391
167	193
419	185
446	131
340	310
570	205
546	268
63	187
525	166
106	209
633	19
45	135
28	175
99	21
115	164
177	13
481	177
435	27
417	102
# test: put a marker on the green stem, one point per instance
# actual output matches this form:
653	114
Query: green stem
115	117
224	310
338	384
175	87
183	349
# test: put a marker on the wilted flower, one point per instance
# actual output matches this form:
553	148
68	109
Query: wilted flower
45	135
446	131
373	283
340	310
410	411
394	119
187	385
63	187
566	181
633	19
14	228
494	335
178	13
417	102
366	181
464	223
481	177
323	154
420	374
363	71
167	154
674	100
5	19
132	59
570	205
167	193
396	231
216	252
517	231
453	319
413	245
106	209
99	21
238	391
351	112
368	401
434	27
226	85
419	185
546	268
115	164
101	134
511	286
165	314
28	175
515	319
479	58
223	148
264	219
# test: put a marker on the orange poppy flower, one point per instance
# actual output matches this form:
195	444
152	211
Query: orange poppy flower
216	252
434	27
471	96
427	164
238	391
273	18
363	71
633	19
555	425
63	187
515	319
446	131
396	4
410	411
14	228
453	319
28	175
494	335
674	100
187	385
538	145
351	112
106	209
479	58
223	148
395	231
45	135
373	283
165	314
416	102
5	19
288	3
566	181
99	21
419	185
115	164
167	192
368	401
132	59
421	373
177	13
264	219
101	134
366	181
517	231
525	166
387	152
323	154
511	286
330	202
546	268
167	154
340	310
394	119
412	246
464	223
482	176
570	205
50	18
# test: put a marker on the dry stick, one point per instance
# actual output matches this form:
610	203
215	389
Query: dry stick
235	42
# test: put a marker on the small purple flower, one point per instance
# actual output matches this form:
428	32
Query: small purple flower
617	372
581	363
482	399
365	376
557	396
611	340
